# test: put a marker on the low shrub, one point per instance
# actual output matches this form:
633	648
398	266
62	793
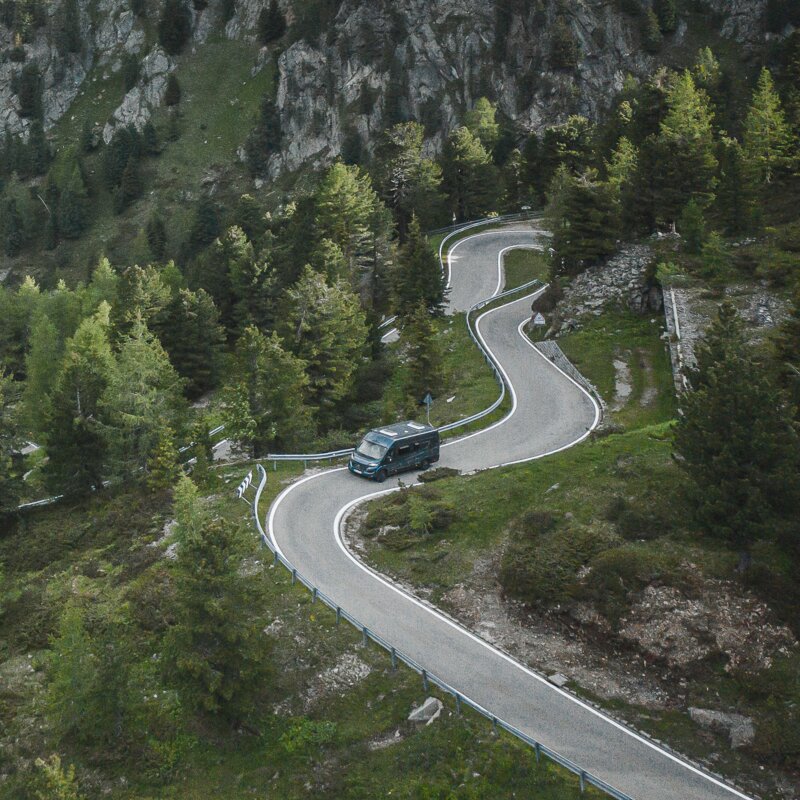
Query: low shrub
616	575
541	568
437	474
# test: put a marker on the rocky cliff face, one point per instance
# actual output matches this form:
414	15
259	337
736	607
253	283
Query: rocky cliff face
431	59
375	63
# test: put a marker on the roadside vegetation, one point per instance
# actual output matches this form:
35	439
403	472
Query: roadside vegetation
98	633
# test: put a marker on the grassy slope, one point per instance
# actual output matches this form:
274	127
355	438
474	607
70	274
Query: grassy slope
59	553
219	103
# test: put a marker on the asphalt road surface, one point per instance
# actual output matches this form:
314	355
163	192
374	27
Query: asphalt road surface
549	413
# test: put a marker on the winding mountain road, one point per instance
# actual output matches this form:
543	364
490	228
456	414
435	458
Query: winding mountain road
549	413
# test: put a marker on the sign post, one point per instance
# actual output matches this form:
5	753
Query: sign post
428	400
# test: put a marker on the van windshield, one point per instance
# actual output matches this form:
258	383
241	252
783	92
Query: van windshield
370	449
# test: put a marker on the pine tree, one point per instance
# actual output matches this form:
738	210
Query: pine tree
265	138
470	178
422	357
172	94
144	394
102	287
482	123
622	167
75	445
38	149
735	203
715	259
326	329
570	144
787	353
766	134
349	213
737	443
586	226
685	166
130	187
205	226
29	92
174	26
69	35
192	336
10	479
692	228
408	182
217	657
73	206
46	349
652	38
271	23
156	236
13	228
564	50
418	276
162	465
667	13
265	396
202	451
141	295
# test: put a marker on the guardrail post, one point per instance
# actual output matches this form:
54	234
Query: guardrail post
274	466
366	636
394	659
538	750
582	779
458	703
294	576
275	560
424	680
305	464
314	594
338	615
494	725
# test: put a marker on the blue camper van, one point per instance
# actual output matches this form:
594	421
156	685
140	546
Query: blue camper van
395	448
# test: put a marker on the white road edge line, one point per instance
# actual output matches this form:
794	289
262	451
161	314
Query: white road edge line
433	611
476	236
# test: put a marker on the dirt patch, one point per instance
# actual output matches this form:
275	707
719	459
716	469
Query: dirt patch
681	631
650	391
623	382
547	644
348	671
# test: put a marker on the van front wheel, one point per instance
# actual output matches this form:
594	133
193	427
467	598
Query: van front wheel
380	476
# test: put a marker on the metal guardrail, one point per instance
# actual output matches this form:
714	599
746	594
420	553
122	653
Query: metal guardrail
585	778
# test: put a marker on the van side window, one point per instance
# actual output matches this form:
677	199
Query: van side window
401	451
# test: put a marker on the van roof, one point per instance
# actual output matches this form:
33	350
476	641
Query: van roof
401	430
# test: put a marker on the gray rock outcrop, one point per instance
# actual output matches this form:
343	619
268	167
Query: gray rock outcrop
140	102
428	712
622	283
740	729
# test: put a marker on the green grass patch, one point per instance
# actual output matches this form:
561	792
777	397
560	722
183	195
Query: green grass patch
638	390
522	266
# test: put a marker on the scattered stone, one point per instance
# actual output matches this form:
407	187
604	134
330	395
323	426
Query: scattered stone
717	619
620	283
557	679
428	712
739	728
